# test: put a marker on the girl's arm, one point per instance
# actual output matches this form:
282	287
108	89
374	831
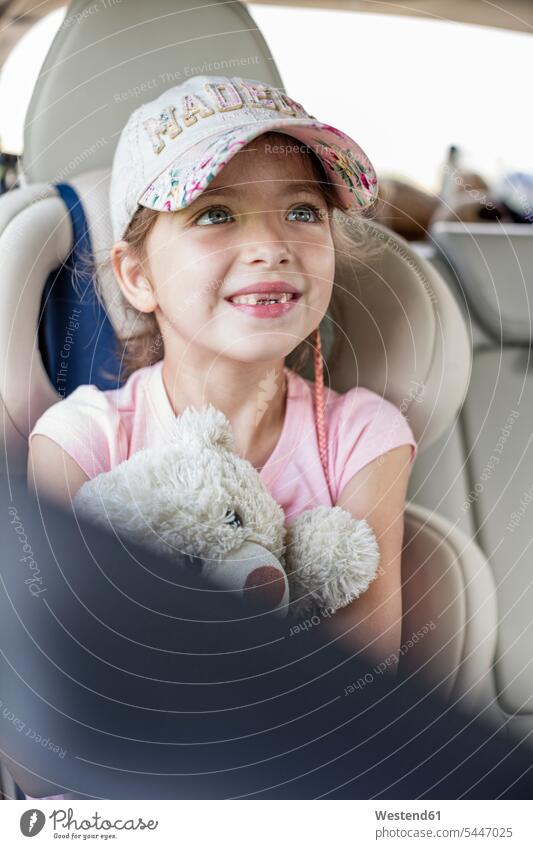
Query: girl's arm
373	622
52	473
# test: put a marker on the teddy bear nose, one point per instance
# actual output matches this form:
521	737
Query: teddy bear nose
265	587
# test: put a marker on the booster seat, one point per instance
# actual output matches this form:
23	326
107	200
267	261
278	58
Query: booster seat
403	333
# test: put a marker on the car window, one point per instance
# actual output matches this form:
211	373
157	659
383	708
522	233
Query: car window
406	88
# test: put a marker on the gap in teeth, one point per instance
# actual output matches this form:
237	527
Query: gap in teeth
269	298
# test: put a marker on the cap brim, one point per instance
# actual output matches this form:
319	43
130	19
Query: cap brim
183	180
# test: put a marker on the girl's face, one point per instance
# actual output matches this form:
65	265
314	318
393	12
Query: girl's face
262	226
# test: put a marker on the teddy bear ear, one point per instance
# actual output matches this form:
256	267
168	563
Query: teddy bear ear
206	427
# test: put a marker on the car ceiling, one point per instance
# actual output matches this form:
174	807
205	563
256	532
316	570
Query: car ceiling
17	16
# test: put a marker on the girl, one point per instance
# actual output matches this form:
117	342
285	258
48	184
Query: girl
226	201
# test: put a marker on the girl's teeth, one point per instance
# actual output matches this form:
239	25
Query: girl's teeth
273	298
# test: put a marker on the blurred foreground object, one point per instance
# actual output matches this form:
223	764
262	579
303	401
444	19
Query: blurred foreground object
137	679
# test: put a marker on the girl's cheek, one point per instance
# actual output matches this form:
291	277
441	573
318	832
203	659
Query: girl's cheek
201	307
324	246
321	297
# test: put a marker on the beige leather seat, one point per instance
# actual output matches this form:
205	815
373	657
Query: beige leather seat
478	474
404	335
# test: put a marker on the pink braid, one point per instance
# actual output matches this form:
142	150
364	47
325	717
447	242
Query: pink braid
320	408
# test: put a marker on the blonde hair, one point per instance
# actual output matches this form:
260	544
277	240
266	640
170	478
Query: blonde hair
349	243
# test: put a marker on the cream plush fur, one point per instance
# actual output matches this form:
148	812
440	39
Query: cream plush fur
196	495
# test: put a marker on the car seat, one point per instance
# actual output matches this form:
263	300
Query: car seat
403	334
478	474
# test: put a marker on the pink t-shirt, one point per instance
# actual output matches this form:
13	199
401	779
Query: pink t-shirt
100	429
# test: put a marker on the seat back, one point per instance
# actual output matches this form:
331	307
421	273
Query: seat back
450	614
492	265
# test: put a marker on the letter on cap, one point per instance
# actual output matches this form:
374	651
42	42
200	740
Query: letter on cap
165	124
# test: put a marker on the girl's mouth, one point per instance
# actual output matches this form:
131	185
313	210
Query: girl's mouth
265	304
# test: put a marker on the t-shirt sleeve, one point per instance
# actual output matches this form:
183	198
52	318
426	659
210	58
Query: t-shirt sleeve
367	426
86	425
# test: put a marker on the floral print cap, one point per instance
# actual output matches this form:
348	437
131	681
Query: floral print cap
172	148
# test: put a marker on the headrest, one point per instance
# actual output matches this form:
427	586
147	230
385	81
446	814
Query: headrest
107	59
402	333
494	266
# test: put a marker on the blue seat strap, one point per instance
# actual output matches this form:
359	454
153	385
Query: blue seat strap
77	341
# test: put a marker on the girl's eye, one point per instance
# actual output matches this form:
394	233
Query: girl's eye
214	215
305	213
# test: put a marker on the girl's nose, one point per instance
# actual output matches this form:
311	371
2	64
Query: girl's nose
269	253
264	243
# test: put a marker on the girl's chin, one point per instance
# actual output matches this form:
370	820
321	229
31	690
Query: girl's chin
262	345
256	357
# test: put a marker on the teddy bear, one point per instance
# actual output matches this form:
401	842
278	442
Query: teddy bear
194	496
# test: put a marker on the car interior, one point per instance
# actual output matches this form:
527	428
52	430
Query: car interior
440	327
